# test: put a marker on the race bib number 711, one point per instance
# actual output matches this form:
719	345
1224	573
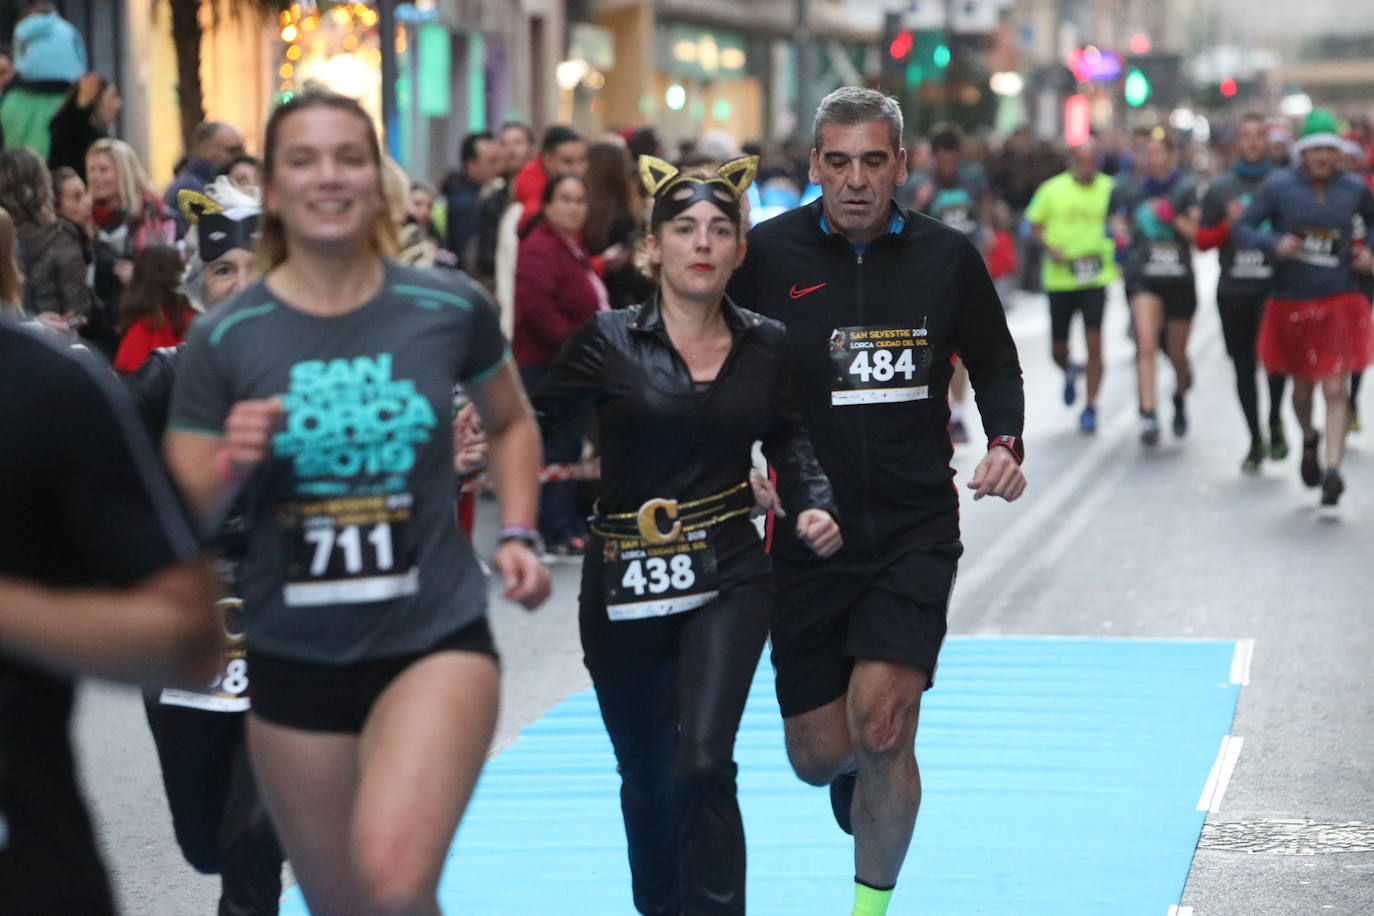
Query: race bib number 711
878	365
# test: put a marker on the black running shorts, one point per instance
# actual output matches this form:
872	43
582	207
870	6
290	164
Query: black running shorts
1091	302
889	607
1180	299
338	698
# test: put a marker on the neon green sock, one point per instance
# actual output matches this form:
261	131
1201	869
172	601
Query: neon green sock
869	901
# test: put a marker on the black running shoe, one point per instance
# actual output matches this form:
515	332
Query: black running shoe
1332	488
1251	464
1180	417
842	800
1310	469
1278	443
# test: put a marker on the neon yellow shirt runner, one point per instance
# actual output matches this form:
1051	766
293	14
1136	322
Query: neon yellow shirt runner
1075	220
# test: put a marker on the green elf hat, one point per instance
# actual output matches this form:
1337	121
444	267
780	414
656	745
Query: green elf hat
1320	129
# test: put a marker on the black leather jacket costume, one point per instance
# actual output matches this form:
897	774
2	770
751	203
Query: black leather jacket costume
662	437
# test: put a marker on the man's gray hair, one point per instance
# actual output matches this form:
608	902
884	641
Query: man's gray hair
851	105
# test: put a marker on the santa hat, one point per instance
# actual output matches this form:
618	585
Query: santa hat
1320	129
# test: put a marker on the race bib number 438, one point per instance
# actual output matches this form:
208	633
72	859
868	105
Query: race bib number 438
879	365
655	580
229	691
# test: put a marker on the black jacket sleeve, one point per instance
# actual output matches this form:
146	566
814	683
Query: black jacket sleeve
151	386
984	342
574	380
802	483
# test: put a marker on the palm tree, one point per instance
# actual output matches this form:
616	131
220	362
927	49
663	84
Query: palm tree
187	36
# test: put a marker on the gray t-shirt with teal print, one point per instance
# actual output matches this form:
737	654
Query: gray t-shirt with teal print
354	551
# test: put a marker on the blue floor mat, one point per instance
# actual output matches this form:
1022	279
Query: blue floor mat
1062	777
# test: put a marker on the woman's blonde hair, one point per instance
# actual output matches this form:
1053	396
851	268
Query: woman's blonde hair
272	243
131	177
11	280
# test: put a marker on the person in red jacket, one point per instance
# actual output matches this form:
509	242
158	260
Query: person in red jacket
556	290
562	152
154	312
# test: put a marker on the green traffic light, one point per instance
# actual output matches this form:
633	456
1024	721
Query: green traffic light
1137	88
941	56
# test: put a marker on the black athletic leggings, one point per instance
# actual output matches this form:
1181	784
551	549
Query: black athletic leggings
1240	324
220	823
671	691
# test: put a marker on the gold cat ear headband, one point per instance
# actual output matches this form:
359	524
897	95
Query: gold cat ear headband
724	189
194	205
217	234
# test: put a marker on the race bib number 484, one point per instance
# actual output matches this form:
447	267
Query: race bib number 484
879	365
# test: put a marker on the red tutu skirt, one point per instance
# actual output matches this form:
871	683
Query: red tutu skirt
1313	338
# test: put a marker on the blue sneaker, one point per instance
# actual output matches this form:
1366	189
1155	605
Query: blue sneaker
1087	420
1071	375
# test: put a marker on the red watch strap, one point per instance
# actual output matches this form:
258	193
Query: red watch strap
1011	444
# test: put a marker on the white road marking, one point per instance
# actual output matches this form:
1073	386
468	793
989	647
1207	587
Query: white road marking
1240	664
1178	910
1220	777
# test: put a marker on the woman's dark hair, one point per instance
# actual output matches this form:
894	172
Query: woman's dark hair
556	136
153	293
25	187
608	192
547	198
241	159
60	176
272	249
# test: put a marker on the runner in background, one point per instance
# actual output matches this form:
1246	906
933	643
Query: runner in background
1317	326
1155	218
1243	286
1068	218
956	192
220	822
1354	162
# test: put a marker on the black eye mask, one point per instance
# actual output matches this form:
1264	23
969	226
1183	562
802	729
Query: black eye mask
217	235
674	192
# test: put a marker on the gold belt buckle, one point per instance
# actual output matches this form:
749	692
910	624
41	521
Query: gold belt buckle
649	530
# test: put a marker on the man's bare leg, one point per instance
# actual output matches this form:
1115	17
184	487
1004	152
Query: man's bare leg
884	704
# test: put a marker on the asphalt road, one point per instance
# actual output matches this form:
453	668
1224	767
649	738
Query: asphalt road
1110	540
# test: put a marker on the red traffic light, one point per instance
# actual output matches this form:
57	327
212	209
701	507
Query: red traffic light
1228	88
901	45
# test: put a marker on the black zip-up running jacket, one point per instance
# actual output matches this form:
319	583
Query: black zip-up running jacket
662	437
871	336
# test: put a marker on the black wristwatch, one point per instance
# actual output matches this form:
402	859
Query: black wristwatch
525	535
1012	443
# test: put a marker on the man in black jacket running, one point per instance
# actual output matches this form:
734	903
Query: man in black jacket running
877	302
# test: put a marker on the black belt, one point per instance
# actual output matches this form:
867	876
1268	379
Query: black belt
693	515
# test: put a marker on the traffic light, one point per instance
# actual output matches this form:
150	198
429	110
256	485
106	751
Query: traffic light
931	54
900	46
1136	89
896	46
1228	88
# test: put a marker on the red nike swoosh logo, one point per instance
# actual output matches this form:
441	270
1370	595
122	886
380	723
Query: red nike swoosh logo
798	293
